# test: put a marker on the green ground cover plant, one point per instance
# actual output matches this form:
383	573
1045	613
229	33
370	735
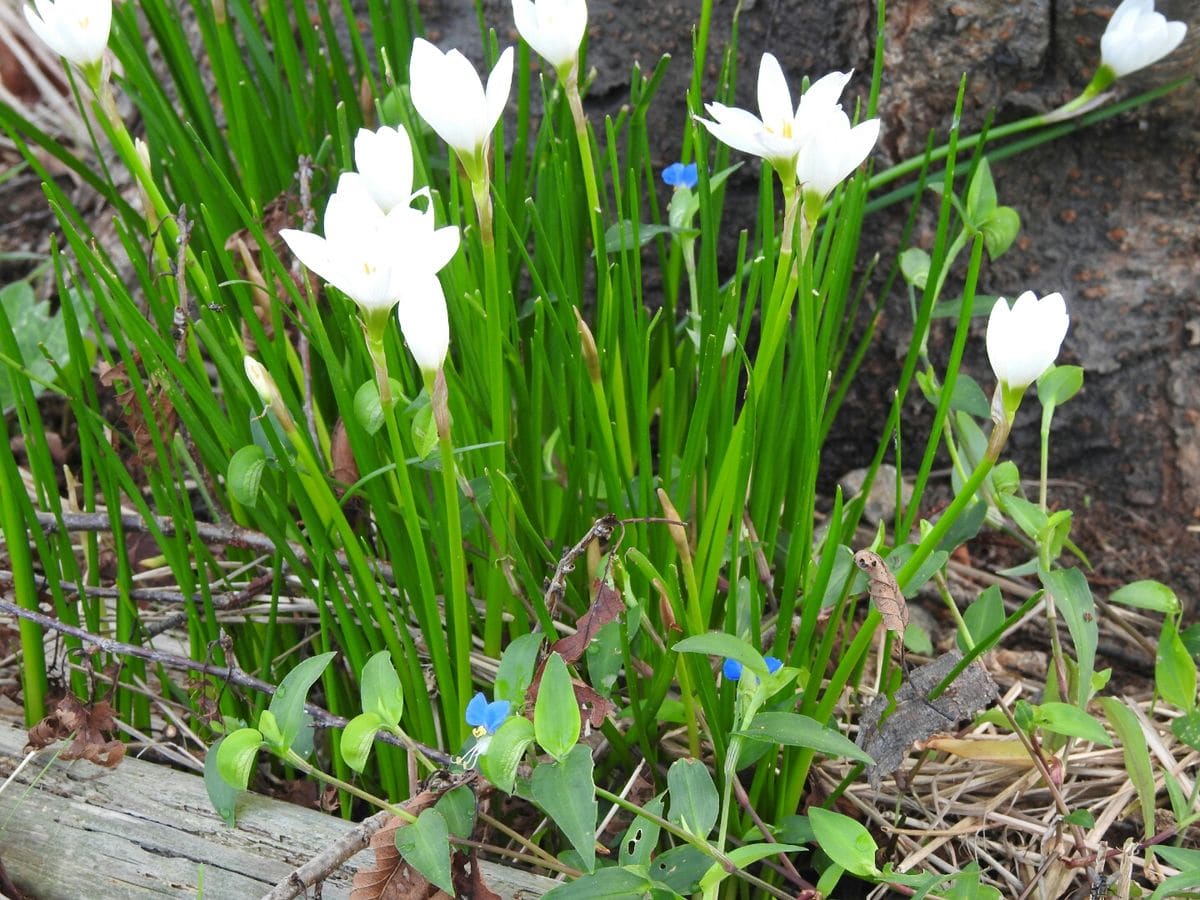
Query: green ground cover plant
553	535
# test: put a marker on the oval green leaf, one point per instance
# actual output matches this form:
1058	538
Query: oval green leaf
288	702
357	739
718	643
1148	594
795	730
556	719
694	801
499	764
235	756
244	474
1063	718
845	841
425	845
380	689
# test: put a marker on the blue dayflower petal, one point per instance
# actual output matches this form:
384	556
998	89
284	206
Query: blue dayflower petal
773	664
679	175
477	710
496	713
732	669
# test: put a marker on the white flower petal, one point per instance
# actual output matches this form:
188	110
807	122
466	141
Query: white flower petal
384	159
74	29
499	85
1137	37
1024	341
774	98
424	321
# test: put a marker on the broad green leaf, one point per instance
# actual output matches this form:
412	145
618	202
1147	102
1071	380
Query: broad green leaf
616	882
221	794
983	616
32	325
742	857
605	658
425	845
517	664
1081	817
902	554
693	796
969	397
235	756
641	837
1074	601
620	236
1029	517
1184	883
917	640
1174	670
556	719
1063	718
287	704
1187	728
795	730
1055	532
458	807
566	793
680	868
845	841
368	409
424	431
268	726
1059	384
1185	859
981	197
999	230
244	474
718	643
505	751
380	689
1152	595
358	737
1137	756
914	266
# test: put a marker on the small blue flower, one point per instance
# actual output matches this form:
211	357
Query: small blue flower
486	717
678	175
732	669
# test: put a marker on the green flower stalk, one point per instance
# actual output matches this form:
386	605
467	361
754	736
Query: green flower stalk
77	30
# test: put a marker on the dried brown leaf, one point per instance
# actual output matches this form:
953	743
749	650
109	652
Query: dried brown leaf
604	609
884	590
391	878
468	878
87	723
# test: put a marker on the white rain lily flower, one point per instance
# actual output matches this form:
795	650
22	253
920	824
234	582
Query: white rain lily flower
424	322
74	29
371	256
553	28
1023	342
832	152
384	160
1137	37
781	132
447	92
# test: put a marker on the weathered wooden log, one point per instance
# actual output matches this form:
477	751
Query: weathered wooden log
74	829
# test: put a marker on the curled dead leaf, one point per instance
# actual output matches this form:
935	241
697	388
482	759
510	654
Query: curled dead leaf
884	590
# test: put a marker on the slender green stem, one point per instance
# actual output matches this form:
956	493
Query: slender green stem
500	405
457	601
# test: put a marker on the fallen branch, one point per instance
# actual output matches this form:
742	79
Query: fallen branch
230	675
317	869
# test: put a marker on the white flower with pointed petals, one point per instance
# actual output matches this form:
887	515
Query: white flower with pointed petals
832	152
384	159
1137	37
781	132
369	255
1023	342
447	92
553	28
424	322
74	29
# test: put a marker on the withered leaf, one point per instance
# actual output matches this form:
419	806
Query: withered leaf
604	609
916	717
87	724
884	590
468	878
391	878
592	706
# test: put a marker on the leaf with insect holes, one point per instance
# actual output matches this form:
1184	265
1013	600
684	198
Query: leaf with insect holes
884	590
